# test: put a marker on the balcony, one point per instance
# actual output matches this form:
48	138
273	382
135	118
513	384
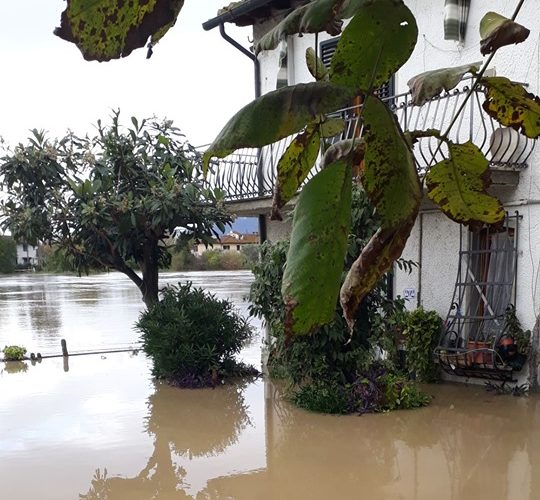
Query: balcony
250	174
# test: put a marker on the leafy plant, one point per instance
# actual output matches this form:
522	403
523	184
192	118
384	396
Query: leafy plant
193	337
375	44
422	332
14	353
513	328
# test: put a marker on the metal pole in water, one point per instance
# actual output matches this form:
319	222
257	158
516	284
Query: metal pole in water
65	352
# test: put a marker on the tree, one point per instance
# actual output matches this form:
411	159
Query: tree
112	201
8	254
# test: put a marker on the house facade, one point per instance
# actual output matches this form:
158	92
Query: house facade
233	241
27	255
469	278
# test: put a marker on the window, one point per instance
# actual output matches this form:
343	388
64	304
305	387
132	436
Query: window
25	247
238	247
226	247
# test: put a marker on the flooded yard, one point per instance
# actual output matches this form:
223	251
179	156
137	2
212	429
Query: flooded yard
101	428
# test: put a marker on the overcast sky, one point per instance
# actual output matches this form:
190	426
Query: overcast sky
194	77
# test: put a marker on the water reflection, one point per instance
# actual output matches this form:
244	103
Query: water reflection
219	415
14	367
106	431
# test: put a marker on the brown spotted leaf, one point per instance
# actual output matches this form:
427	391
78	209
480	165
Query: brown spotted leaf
377	257
294	166
389	177
110	29
317	251
497	31
379	39
512	106
458	186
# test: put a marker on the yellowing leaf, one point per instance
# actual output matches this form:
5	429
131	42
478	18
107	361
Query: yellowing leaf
110	29
374	45
497	31
458	186
317	251
512	106
294	166
277	115
389	177
427	85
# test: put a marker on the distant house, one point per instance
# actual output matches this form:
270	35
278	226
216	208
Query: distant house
231	241
27	255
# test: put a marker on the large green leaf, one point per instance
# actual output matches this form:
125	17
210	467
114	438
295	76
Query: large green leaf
427	85
512	106
374	45
497	31
294	166
389	177
317	251
458	186
377	257
276	115
315	17
110	29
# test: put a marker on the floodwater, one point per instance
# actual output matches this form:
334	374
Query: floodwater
91	312
99	428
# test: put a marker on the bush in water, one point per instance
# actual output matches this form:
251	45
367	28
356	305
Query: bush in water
192	337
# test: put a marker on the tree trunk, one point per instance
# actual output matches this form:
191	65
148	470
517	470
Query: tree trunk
150	272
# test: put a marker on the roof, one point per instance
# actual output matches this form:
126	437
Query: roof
239	239
249	12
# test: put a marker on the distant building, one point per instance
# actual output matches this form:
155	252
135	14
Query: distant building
230	241
27	255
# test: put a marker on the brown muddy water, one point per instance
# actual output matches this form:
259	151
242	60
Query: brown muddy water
100	428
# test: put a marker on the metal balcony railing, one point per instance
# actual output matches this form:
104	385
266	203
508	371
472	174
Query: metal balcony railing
250	173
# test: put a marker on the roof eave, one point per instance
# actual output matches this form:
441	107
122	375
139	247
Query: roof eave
234	14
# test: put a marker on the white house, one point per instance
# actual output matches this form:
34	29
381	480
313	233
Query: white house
468	278
27	255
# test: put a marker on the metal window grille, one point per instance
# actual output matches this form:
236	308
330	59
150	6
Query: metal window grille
484	289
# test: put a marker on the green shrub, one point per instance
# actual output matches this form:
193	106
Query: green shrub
14	353
327	370
321	397
192	337
251	252
231	260
422	332
8	255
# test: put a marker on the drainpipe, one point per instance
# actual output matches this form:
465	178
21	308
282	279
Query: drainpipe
263	236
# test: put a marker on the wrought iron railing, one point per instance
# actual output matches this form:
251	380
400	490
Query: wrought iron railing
250	173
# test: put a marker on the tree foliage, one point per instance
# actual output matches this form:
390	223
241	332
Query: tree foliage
112	201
